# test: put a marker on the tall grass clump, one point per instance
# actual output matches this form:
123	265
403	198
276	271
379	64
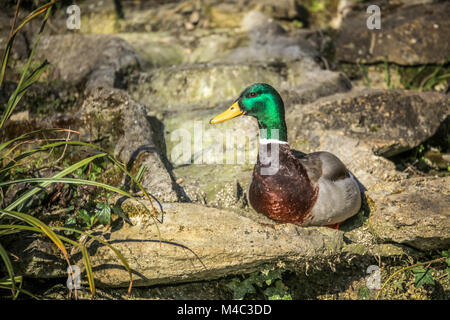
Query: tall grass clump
18	214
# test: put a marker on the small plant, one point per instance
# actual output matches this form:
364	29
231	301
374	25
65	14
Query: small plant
365	74
422	272
267	282
387	74
297	24
364	293
425	77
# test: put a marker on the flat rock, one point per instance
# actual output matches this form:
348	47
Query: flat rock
413	212
192	243
321	83
205	243
409	35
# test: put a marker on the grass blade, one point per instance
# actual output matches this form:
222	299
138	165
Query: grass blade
10	43
86	262
63	173
20	89
28	134
20	290
42	226
14	99
149	196
9	269
115	250
70	181
88	266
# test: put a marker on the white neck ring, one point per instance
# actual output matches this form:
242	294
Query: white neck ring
266	141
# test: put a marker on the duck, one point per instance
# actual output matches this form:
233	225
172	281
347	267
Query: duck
290	186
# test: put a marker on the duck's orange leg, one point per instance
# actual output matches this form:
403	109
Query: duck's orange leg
335	226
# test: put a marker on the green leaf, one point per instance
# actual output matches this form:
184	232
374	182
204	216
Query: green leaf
447	255
79	172
9	268
241	288
103	213
83	214
140	172
70	222
423	276
278	292
364	293
42	226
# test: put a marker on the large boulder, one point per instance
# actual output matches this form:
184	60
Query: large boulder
390	121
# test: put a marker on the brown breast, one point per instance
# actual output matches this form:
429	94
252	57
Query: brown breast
286	196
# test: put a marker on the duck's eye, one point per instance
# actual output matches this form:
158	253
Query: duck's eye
252	94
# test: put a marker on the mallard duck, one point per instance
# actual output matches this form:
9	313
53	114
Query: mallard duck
313	189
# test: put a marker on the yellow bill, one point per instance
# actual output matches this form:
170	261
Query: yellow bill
230	113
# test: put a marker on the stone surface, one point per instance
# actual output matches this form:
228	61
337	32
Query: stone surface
96	60
271	42
201	84
389	121
208	85
321	83
113	114
164	49
409	35
155	49
225	242
39	258
413	212
254	19
282	9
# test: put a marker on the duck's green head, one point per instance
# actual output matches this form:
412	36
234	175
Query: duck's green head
263	102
